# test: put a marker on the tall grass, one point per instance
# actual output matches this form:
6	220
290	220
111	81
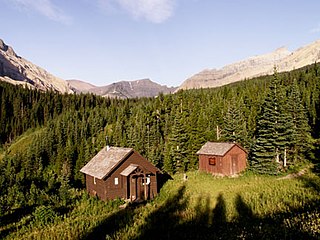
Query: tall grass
200	208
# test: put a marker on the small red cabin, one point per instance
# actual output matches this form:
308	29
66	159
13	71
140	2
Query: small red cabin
225	159
121	172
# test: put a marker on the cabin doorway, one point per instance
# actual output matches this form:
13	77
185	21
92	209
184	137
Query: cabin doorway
138	187
234	164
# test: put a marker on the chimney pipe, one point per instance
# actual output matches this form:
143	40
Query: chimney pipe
107	143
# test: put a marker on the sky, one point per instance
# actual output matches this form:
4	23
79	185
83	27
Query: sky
168	41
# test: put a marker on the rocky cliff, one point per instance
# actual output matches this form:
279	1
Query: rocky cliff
256	66
17	70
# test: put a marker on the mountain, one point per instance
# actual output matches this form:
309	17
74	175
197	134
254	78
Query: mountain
80	86
255	66
17	70
124	89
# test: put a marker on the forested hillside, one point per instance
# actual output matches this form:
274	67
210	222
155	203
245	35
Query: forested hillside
46	138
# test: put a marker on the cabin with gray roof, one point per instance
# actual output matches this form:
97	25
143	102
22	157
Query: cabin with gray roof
221	158
118	172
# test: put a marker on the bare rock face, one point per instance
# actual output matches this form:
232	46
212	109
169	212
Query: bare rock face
301	57
124	89
254	67
133	89
17	70
80	86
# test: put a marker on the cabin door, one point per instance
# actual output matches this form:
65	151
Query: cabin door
133	186
136	188
140	194
234	164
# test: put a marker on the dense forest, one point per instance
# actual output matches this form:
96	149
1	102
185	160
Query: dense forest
46	138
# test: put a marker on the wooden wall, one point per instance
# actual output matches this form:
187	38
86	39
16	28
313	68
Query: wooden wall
233	162
106	189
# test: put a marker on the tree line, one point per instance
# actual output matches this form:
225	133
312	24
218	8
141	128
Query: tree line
276	118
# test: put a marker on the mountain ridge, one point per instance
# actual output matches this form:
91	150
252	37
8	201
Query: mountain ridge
255	66
19	71
123	89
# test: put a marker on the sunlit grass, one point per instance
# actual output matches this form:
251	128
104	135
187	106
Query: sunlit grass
184	205
22	143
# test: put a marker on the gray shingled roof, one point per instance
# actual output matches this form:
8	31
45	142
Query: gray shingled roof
215	148
105	160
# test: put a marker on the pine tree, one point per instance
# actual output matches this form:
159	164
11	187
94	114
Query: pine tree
169	165
179	142
302	141
234	126
273	131
284	129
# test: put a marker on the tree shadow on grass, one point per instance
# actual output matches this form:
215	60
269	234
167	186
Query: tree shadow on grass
157	223
162	179
113	223
13	217
161	223
207	223
309	182
274	226
168	222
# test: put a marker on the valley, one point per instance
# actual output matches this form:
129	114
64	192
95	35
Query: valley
46	138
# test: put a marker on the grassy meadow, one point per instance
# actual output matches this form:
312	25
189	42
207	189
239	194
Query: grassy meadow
203	207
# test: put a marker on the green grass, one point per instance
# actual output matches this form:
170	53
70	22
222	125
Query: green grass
203	207
21	144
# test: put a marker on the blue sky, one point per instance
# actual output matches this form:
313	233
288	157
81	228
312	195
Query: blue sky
104	41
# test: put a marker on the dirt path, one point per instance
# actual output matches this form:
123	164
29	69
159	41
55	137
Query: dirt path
294	175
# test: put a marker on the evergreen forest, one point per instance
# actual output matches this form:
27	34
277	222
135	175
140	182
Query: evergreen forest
46	138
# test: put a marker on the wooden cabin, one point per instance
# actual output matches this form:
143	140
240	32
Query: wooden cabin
117	172
224	159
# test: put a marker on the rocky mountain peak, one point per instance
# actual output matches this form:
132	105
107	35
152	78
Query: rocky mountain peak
17	70
4	47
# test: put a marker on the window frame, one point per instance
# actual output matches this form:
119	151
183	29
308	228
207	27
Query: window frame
212	161
116	181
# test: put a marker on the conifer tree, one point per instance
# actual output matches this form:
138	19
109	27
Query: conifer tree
271	133
283	128
302	141
179	142
234	126
169	164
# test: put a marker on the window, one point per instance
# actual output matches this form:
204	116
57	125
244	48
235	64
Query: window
94	180
116	181
212	161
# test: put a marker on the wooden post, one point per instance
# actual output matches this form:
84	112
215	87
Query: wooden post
285	157
185	177
145	186
277	155
130	190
